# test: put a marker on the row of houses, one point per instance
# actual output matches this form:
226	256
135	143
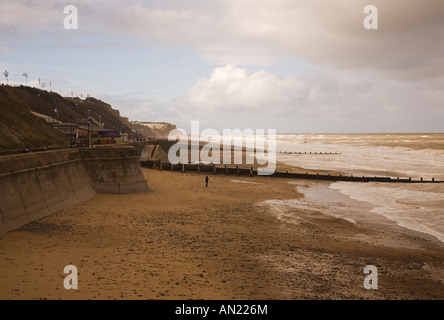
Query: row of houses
93	132
99	135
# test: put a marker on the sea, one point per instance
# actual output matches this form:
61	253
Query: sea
415	206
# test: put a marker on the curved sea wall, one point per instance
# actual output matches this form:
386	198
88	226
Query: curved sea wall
37	184
115	170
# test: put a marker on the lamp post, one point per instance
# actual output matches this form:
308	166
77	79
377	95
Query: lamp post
72	144
89	128
6	74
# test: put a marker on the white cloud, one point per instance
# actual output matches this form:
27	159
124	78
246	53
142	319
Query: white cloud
237	97
233	89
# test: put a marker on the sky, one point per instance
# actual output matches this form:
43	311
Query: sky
297	66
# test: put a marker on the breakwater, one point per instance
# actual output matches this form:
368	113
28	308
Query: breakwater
34	185
252	171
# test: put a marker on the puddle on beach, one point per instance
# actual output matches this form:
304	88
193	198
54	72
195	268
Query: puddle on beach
334	200
319	197
248	182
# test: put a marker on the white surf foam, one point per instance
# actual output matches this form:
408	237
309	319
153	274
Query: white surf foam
415	207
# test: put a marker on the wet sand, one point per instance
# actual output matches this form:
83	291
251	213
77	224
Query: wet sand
184	241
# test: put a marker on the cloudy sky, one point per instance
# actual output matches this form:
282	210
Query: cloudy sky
291	65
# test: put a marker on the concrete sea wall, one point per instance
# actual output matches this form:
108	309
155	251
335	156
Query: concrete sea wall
34	185
115	170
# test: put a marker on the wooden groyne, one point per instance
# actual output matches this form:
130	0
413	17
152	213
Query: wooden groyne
236	170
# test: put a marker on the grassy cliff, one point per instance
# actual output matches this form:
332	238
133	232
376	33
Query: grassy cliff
20	129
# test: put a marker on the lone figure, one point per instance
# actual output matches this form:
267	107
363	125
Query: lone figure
206	181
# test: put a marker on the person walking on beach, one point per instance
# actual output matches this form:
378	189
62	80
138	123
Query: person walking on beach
206	181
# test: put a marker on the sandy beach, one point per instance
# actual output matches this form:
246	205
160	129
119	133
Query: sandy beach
182	240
